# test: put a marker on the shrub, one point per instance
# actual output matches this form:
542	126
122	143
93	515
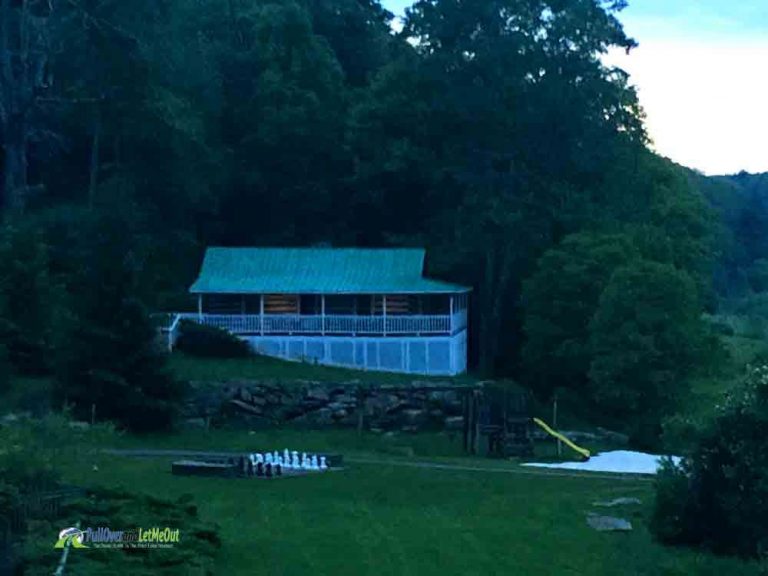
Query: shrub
194	554
198	340
718	497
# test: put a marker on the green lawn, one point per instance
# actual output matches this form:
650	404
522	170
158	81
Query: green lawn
261	367
707	392
389	519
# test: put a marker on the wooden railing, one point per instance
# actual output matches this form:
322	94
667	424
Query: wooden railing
328	324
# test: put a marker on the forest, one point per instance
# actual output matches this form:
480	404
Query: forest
490	132
630	290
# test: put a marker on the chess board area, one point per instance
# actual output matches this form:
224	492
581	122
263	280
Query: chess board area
258	465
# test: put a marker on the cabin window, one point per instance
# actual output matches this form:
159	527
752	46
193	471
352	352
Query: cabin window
281	304
397	304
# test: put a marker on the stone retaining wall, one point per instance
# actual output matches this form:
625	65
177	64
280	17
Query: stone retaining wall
415	406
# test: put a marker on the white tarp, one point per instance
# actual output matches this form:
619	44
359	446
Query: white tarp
618	461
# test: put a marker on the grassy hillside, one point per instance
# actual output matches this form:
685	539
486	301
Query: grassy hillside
390	519
261	367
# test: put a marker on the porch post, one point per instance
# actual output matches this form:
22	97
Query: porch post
200	307
261	314
451	308
384	312
322	314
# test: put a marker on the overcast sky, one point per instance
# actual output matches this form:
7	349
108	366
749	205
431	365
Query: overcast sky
702	75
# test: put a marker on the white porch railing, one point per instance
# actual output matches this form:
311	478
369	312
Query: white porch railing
330	323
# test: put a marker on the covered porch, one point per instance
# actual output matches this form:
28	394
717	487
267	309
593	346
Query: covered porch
333	314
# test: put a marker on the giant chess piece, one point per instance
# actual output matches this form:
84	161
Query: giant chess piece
313	462
259	469
275	457
287	458
323	465
295	463
268	468
279	469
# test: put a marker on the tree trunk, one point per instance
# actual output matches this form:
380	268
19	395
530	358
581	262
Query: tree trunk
498	273
23	58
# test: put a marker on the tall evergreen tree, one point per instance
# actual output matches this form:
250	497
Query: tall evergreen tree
112	363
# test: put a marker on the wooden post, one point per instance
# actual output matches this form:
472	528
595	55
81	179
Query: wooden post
451	313
261	314
200	307
322	314
554	425
360	410
465	425
476	422
384	312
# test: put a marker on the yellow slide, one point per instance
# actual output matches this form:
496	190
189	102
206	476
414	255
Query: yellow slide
583	451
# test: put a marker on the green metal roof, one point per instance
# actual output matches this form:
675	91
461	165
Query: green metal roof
317	271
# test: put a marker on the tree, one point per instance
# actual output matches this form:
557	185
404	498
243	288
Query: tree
359	33
647	339
29	299
112	361
285	100
510	120
24	79
559	301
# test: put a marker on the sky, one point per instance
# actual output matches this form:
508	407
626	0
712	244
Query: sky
702	76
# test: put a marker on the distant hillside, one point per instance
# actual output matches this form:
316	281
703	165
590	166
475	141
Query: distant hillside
741	202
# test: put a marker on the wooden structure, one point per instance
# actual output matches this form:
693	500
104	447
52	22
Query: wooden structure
501	414
363	308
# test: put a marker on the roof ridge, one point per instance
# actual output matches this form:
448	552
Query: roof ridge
326	248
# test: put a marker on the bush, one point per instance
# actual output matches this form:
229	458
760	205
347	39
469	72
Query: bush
206	341
718	497
194	554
